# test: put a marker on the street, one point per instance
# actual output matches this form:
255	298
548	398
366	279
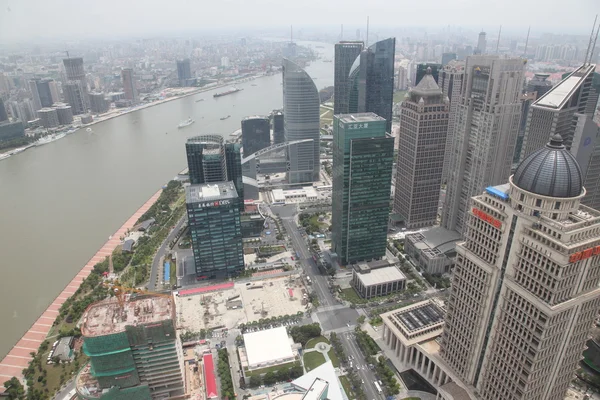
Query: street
161	252
359	364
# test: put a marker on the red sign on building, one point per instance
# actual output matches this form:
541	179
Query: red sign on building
487	218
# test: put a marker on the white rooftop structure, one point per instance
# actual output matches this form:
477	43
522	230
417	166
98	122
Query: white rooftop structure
562	92
381	275
268	347
326	373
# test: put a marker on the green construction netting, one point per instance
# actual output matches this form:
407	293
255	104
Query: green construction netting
107	344
144	335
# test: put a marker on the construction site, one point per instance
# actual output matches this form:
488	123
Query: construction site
242	303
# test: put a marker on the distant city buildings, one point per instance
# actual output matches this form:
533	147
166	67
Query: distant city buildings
539	84
3	113
214	221
48	117
481	43
346	53
75	73
42	94
451	80
129	86
363	155
98	103
75	97
301	121
64	113
421	150
184	71
447	57
256	134
485	131
371	81
11	130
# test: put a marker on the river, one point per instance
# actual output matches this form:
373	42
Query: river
60	202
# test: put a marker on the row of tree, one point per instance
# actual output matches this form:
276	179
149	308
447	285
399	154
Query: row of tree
365	342
385	374
223	369
302	334
272	377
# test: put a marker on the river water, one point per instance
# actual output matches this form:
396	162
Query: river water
60	202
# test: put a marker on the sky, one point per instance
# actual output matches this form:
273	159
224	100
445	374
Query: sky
25	20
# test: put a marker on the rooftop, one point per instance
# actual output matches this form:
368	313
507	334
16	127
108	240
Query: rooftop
361	117
210	192
559	95
381	275
316	390
324	372
435	241
427	85
107	317
267	346
416	323
251	117
457	393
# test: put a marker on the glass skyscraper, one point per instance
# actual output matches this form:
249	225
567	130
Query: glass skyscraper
301	121
345	54
256	134
215	228
363	155
371	81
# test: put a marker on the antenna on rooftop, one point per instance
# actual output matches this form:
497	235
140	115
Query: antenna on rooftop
527	41
592	43
498	42
367	42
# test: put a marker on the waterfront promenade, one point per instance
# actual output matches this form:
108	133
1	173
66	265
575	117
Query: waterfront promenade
18	358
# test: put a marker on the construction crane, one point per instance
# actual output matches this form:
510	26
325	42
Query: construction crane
121	291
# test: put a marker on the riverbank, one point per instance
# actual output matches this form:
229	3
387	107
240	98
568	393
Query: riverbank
19	356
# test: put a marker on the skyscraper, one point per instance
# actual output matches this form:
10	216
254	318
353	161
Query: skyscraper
447	57
586	150
35	96
554	112
301	121
75	73
363	154
215	228
525	288
278	128
48	117
451	80
539	84
3	113
74	96
481	43
41	93
421	148
211	160
64	112
98	103
184	71
256	134
345	54
129	86
485	132
422	70
371	81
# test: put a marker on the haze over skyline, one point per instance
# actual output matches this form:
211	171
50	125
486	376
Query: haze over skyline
35	20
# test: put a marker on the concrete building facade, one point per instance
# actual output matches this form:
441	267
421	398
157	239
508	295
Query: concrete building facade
421	150
75	72
451	80
48	117
129	86
377	278
525	288
485	132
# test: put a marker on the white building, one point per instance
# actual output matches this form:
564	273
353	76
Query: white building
291	196
267	348
377	278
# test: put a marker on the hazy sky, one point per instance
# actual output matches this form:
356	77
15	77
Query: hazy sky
21	20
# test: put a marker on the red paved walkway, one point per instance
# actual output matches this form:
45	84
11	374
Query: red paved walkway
18	358
205	289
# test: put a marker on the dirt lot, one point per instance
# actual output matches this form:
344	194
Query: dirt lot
241	304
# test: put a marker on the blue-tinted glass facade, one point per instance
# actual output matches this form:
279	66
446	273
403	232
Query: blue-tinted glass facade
256	134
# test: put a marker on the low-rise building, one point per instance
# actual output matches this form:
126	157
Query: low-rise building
267	348
377	278
433	249
291	196
11	130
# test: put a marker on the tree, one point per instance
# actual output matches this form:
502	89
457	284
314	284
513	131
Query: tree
14	389
270	378
283	374
296	371
255	381
360	320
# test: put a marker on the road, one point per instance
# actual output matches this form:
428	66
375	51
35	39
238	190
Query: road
359	365
161	252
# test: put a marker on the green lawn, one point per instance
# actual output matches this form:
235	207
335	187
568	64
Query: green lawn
346	385
259	372
350	295
313	342
334	358
312	360
399	96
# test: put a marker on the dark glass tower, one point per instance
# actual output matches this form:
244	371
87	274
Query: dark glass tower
278	131
184	71
233	165
362	172
422	71
256	134
345	54
371	81
215	227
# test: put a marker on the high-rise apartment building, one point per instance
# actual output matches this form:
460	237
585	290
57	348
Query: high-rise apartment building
485	132
75	73
48	117
301	121
129	86
64	112
3	113
525	287
256	134
133	349
98	103
212	160
345	54
363	154
450	80
371	81
41	93
554	112
184	71
215	228
481	43
75	97
421	148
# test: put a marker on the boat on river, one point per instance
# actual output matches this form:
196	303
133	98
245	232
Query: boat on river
185	123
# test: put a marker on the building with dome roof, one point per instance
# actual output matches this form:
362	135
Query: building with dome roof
525	289
421	148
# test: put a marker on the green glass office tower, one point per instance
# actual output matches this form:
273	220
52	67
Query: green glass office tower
363	155
215	227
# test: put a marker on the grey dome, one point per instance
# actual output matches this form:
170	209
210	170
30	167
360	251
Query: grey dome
550	171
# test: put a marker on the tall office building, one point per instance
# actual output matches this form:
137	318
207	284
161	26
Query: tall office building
554	112
256	134
48	117
211	160
35	96
98	103
54	92
184	71
41	93
527	100
345	54
301	121
421	149
75	73
278	128
451	80
129	86
447	57
481	43
215	228
371	81
133	349
586	150
64	113
3	113
525	287
423	68
363	154
485	131
75	97
539	84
